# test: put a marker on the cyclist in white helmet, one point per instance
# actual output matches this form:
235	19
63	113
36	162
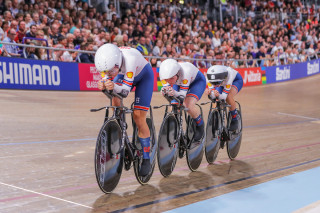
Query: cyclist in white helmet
225	83
184	81
122	69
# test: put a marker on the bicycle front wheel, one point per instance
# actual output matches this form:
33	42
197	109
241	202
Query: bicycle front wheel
212	136
194	154
108	163
233	145
168	145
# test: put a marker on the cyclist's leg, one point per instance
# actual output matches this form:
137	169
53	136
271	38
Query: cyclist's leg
196	89
143	95
236	87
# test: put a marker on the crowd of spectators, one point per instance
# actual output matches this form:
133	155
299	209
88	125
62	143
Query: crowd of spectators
165	29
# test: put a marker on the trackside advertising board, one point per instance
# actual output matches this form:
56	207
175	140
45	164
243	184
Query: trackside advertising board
18	73
251	76
89	77
292	71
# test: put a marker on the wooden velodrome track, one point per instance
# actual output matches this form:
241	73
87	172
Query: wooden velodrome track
47	142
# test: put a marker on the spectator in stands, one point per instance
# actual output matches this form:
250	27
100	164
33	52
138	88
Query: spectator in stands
30	52
35	19
141	46
12	50
86	57
44	21
62	40
57	54
158	49
261	54
21	33
41	53
74	55
32	32
55	33
7	16
14	25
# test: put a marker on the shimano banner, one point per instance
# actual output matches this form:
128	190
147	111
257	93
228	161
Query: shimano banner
292	71
18	73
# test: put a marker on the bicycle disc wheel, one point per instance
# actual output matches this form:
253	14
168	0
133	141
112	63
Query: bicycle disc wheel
167	145
233	145
194	155
108	167
212	137
152	153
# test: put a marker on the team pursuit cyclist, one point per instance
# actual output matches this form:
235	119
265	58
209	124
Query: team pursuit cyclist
184	81
224	84
122	69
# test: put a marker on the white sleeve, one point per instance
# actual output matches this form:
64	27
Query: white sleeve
128	77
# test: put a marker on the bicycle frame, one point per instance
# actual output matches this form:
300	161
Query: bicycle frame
177	111
119	115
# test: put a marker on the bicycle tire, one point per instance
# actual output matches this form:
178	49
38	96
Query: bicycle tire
167	145
213	130
153	153
194	155
233	145
108	167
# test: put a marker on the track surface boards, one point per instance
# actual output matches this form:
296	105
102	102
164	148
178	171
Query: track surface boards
47	142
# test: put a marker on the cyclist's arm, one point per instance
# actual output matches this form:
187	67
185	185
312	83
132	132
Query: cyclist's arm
124	83
226	90
211	89
180	91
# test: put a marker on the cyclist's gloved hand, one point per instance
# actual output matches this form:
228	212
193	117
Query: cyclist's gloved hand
109	85
164	90
167	91
101	85
170	91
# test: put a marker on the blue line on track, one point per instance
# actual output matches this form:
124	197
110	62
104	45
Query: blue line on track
213	187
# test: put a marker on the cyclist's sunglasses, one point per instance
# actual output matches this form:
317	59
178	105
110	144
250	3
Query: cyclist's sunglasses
216	83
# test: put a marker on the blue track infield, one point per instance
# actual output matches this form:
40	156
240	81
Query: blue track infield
285	194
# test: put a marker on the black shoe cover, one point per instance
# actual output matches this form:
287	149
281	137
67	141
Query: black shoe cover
145	167
199	133
234	125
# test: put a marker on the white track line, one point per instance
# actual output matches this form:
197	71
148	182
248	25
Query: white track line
299	116
46	195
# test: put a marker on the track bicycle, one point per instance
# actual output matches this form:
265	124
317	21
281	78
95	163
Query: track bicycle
114	149
173	141
218	133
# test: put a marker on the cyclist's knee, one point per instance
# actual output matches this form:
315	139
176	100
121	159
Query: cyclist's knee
139	118
190	103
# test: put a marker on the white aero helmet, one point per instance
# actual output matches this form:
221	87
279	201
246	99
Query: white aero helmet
168	69
217	74
108	57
